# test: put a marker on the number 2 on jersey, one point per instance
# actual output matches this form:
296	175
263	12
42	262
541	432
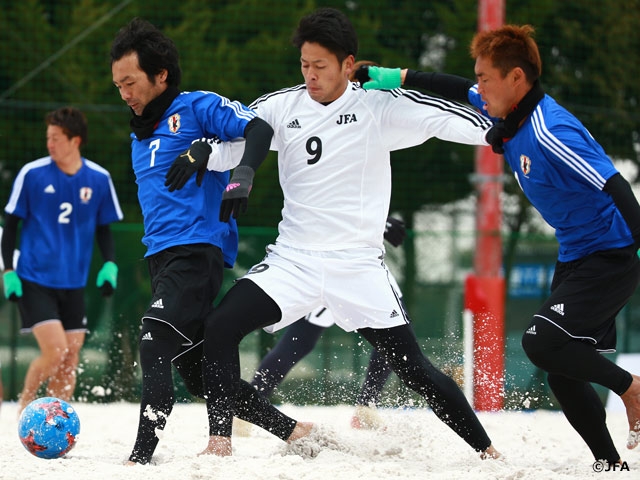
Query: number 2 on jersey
66	208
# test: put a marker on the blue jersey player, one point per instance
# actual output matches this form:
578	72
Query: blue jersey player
187	246
63	201
570	180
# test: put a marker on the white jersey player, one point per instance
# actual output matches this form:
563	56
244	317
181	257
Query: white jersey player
334	141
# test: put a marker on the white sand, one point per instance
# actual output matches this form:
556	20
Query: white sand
416	445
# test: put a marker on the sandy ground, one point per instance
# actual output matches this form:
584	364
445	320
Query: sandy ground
415	445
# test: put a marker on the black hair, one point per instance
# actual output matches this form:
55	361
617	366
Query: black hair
330	28
156	51
71	120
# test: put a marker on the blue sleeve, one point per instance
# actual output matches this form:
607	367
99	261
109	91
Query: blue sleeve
476	100
220	116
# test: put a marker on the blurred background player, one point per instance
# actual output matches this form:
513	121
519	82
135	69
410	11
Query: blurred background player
63	201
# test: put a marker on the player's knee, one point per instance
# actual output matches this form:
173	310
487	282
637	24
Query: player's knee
531	343
235	316
540	340
157	340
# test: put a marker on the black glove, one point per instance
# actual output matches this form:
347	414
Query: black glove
362	74
235	196
194	159
496	135
106	290
394	231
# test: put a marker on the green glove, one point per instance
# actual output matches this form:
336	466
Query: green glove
383	78
12	285
107	278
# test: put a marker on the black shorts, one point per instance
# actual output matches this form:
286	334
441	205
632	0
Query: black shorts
588	293
185	280
40	304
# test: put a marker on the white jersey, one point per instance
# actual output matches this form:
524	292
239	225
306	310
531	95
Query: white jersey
334	161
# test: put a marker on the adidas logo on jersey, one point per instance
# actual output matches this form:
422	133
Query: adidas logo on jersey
294	124
157	304
147	336
394	314
558	308
49	189
531	330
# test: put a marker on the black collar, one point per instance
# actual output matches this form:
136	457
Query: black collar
506	128
144	125
513	120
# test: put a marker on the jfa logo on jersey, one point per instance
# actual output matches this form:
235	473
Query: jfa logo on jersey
174	122
85	194
525	164
347	118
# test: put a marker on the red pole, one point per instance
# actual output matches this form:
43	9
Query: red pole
485	290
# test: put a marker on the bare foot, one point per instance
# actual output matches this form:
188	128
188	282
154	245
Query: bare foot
366	418
302	429
241	428
631	400
220	446
490	453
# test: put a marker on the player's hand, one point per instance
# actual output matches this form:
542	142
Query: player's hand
362	74
496	135
12	285
383	78
194	159
107	280
235	196
394	231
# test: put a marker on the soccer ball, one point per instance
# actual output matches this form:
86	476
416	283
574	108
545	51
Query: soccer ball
48	427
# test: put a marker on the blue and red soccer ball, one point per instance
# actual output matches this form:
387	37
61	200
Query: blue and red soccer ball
48	427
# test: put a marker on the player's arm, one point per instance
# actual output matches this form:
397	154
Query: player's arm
9	236
212	154
107	279
448	86
258	135
626	203
12	283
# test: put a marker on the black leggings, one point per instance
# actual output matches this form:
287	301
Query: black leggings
401	349
572	366
158	396
378	372
246	308
297	341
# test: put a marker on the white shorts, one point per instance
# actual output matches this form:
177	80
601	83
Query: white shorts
355	285
322	316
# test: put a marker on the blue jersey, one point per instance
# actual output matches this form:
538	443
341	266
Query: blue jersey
562	171
189	215
59	215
